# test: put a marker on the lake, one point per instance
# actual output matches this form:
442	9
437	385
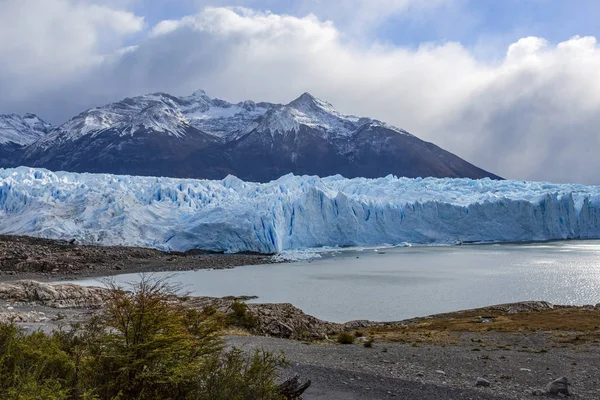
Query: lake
399	283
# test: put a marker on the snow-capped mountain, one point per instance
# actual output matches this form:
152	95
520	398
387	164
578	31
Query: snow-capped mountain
22	130
200	137
17	131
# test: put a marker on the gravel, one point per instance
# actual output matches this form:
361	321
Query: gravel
394	370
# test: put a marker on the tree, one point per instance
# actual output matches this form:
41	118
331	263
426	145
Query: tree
145	345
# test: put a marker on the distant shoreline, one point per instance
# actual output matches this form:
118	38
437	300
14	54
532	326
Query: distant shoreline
25	257
28	257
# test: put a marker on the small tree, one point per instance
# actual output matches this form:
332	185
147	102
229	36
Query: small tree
155	348
33	367
145	346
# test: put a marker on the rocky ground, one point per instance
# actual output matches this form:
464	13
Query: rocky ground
24	257
514	351
509	364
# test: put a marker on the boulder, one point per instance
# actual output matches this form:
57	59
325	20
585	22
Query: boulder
558	386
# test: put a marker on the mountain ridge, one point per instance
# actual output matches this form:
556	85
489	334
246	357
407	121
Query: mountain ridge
201	137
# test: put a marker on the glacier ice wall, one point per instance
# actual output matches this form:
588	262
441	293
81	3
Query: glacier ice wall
293	212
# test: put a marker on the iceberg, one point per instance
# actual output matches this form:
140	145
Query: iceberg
291	213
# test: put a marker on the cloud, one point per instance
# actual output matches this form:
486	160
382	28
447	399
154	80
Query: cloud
45	43
531	115
362	15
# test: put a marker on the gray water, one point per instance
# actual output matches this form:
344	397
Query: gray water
395	284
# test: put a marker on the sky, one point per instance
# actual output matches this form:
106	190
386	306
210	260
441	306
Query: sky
512	86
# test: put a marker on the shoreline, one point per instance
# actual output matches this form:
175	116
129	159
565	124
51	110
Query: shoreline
518	348
28	257
25	257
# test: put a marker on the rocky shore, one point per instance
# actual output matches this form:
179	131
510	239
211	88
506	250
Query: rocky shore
23	257
510	351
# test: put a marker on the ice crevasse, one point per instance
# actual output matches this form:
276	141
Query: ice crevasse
291	213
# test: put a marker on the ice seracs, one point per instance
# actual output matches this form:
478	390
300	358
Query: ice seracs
291	213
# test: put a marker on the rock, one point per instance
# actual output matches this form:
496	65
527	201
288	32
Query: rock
524	306
439	371
53	295
482	382
558	386
292	389
537	392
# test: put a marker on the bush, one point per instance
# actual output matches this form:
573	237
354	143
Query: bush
240	317
146	346
33	366
369	343
345	338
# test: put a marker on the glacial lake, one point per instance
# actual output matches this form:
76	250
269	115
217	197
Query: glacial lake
399	283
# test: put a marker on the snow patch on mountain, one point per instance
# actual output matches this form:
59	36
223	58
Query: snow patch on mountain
291	213
310	111
173	116
22	130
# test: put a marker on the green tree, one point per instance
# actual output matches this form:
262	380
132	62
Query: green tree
145	346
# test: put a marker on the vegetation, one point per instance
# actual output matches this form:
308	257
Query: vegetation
564	325
369	343
345	338
240	317
145	346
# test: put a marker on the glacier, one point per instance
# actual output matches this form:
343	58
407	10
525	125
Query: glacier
291	213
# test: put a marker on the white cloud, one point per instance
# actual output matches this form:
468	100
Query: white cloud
362	15
46	42
532	115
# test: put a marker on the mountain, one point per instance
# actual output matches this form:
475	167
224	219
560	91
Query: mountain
200	137
18	131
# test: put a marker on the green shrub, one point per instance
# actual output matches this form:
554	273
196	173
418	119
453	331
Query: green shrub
33	366
145	346
239	316
345	338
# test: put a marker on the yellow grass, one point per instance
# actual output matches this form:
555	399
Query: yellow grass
565	325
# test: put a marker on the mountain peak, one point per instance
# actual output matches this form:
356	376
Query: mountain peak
22	130
198	136
307	99
199	93
307	96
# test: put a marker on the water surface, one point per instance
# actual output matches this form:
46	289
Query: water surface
400	283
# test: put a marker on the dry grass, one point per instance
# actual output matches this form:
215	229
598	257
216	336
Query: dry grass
235	331
566	325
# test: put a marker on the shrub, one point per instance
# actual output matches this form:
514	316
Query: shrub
33	366
369	343
345	338
145	346
239	316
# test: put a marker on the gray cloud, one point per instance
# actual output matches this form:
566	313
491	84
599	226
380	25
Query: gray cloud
532	115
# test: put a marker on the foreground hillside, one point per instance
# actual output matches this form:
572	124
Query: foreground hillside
510	351
291	213
200	137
